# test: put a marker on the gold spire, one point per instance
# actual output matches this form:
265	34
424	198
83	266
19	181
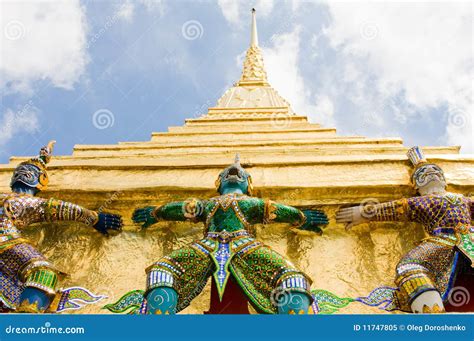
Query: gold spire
254	35
254	70
251	95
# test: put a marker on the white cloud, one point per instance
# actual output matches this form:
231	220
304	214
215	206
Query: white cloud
41	41
238	11
281	63
421	53
126	10
323	110
20	121
154	5
230	9
264	7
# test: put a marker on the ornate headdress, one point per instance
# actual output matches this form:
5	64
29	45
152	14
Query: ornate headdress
33	172
236	166
418	160
416	156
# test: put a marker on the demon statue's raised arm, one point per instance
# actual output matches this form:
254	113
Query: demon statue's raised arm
28	280
425	275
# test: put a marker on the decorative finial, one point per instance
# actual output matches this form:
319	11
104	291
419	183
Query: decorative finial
46	152
254	71
237	159
254	35
416	156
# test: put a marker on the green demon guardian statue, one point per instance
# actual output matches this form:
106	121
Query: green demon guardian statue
228	252
426	274
28	282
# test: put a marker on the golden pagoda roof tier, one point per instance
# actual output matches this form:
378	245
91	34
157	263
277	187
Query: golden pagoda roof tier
245	117
317	147
322	175
251	97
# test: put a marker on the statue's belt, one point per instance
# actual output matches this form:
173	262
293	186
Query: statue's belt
461	237
223	253
225	237
459	229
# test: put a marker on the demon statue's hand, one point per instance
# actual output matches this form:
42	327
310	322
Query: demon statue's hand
350	216
109	223
316	220
144	216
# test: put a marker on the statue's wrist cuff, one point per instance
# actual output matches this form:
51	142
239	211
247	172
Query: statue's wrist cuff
155	213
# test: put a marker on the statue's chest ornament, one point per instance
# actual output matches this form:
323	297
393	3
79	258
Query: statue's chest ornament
8	226
225	202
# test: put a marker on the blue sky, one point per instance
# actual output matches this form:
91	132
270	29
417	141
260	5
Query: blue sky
379	70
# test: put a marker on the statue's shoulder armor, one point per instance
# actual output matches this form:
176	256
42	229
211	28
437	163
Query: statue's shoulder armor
426	199
455	198
251	205
12	204
246	200
226	200
7	198
3	199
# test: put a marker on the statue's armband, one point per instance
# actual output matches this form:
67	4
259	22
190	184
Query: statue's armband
192	210
57	210
278	213
397	210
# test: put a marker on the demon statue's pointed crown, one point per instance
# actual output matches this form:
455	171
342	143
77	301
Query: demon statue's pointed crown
235	176
32	173
423	172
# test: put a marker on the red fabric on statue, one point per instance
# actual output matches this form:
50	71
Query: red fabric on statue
233	301
462	300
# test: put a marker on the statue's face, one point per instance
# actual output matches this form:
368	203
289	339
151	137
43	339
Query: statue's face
429	178
30	176
234	177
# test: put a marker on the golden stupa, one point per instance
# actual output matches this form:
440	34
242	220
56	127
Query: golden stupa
291	161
